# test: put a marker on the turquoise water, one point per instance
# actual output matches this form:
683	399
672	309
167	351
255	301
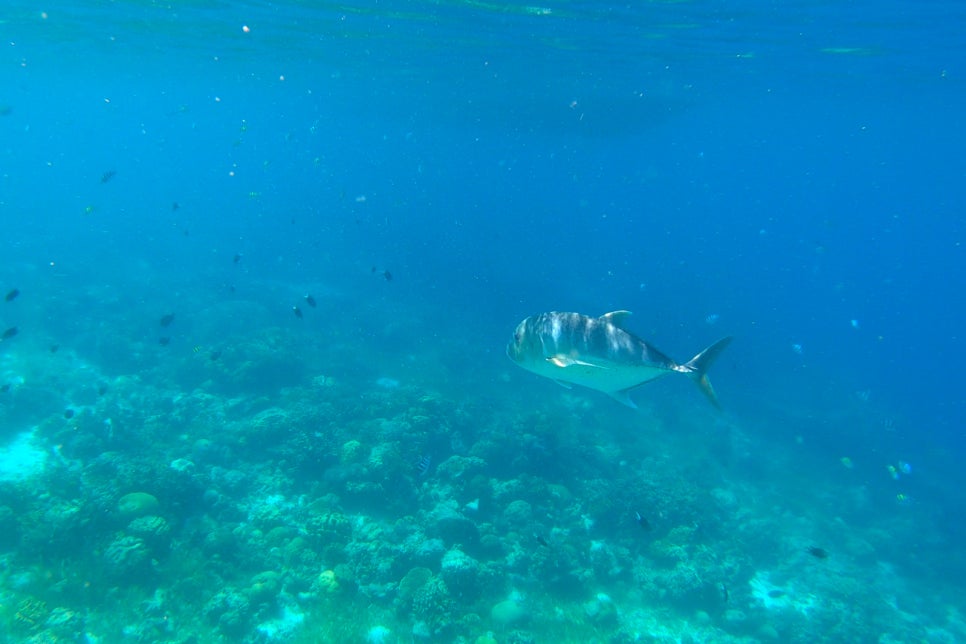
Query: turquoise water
262	262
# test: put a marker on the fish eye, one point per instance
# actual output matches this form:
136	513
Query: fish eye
516	337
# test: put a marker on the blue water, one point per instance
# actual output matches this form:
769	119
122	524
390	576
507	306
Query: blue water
790	174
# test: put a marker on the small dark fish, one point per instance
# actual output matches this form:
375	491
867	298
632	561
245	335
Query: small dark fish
642	521
68	414
107	176
4	388
297	311
54	348
775	593
9	333
102	390
423	465
12	294
175	205
236	258
387	275
167	319
818	553
215	355
310	300
164	340
540	540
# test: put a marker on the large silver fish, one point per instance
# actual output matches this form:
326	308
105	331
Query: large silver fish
601	354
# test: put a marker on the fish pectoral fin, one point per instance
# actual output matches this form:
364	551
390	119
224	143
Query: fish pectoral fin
566	361
623	397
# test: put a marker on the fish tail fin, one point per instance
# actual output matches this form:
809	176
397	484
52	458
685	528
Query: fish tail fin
698	368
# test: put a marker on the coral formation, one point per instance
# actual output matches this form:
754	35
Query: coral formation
321	508
137	504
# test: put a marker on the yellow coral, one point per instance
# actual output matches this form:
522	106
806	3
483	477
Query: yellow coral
351	451
328	582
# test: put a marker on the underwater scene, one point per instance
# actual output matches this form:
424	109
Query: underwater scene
482	322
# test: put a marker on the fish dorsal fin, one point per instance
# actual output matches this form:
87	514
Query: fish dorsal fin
616	318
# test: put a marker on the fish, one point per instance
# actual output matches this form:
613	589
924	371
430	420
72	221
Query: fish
642	521
425	461
9	333
167	319
5	387
12	294
543	542
68	413
236	258
601	354
164	341
818	553
107	176
297	311
310	300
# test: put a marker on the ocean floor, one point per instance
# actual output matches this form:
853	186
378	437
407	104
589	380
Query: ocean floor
236	492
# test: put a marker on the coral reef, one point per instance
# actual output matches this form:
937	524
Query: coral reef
267	503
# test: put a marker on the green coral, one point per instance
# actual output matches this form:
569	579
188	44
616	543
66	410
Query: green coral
154	530
137	504
433	605
409	585
126	556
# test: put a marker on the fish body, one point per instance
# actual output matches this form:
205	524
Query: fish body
642	521
599	353
425	462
